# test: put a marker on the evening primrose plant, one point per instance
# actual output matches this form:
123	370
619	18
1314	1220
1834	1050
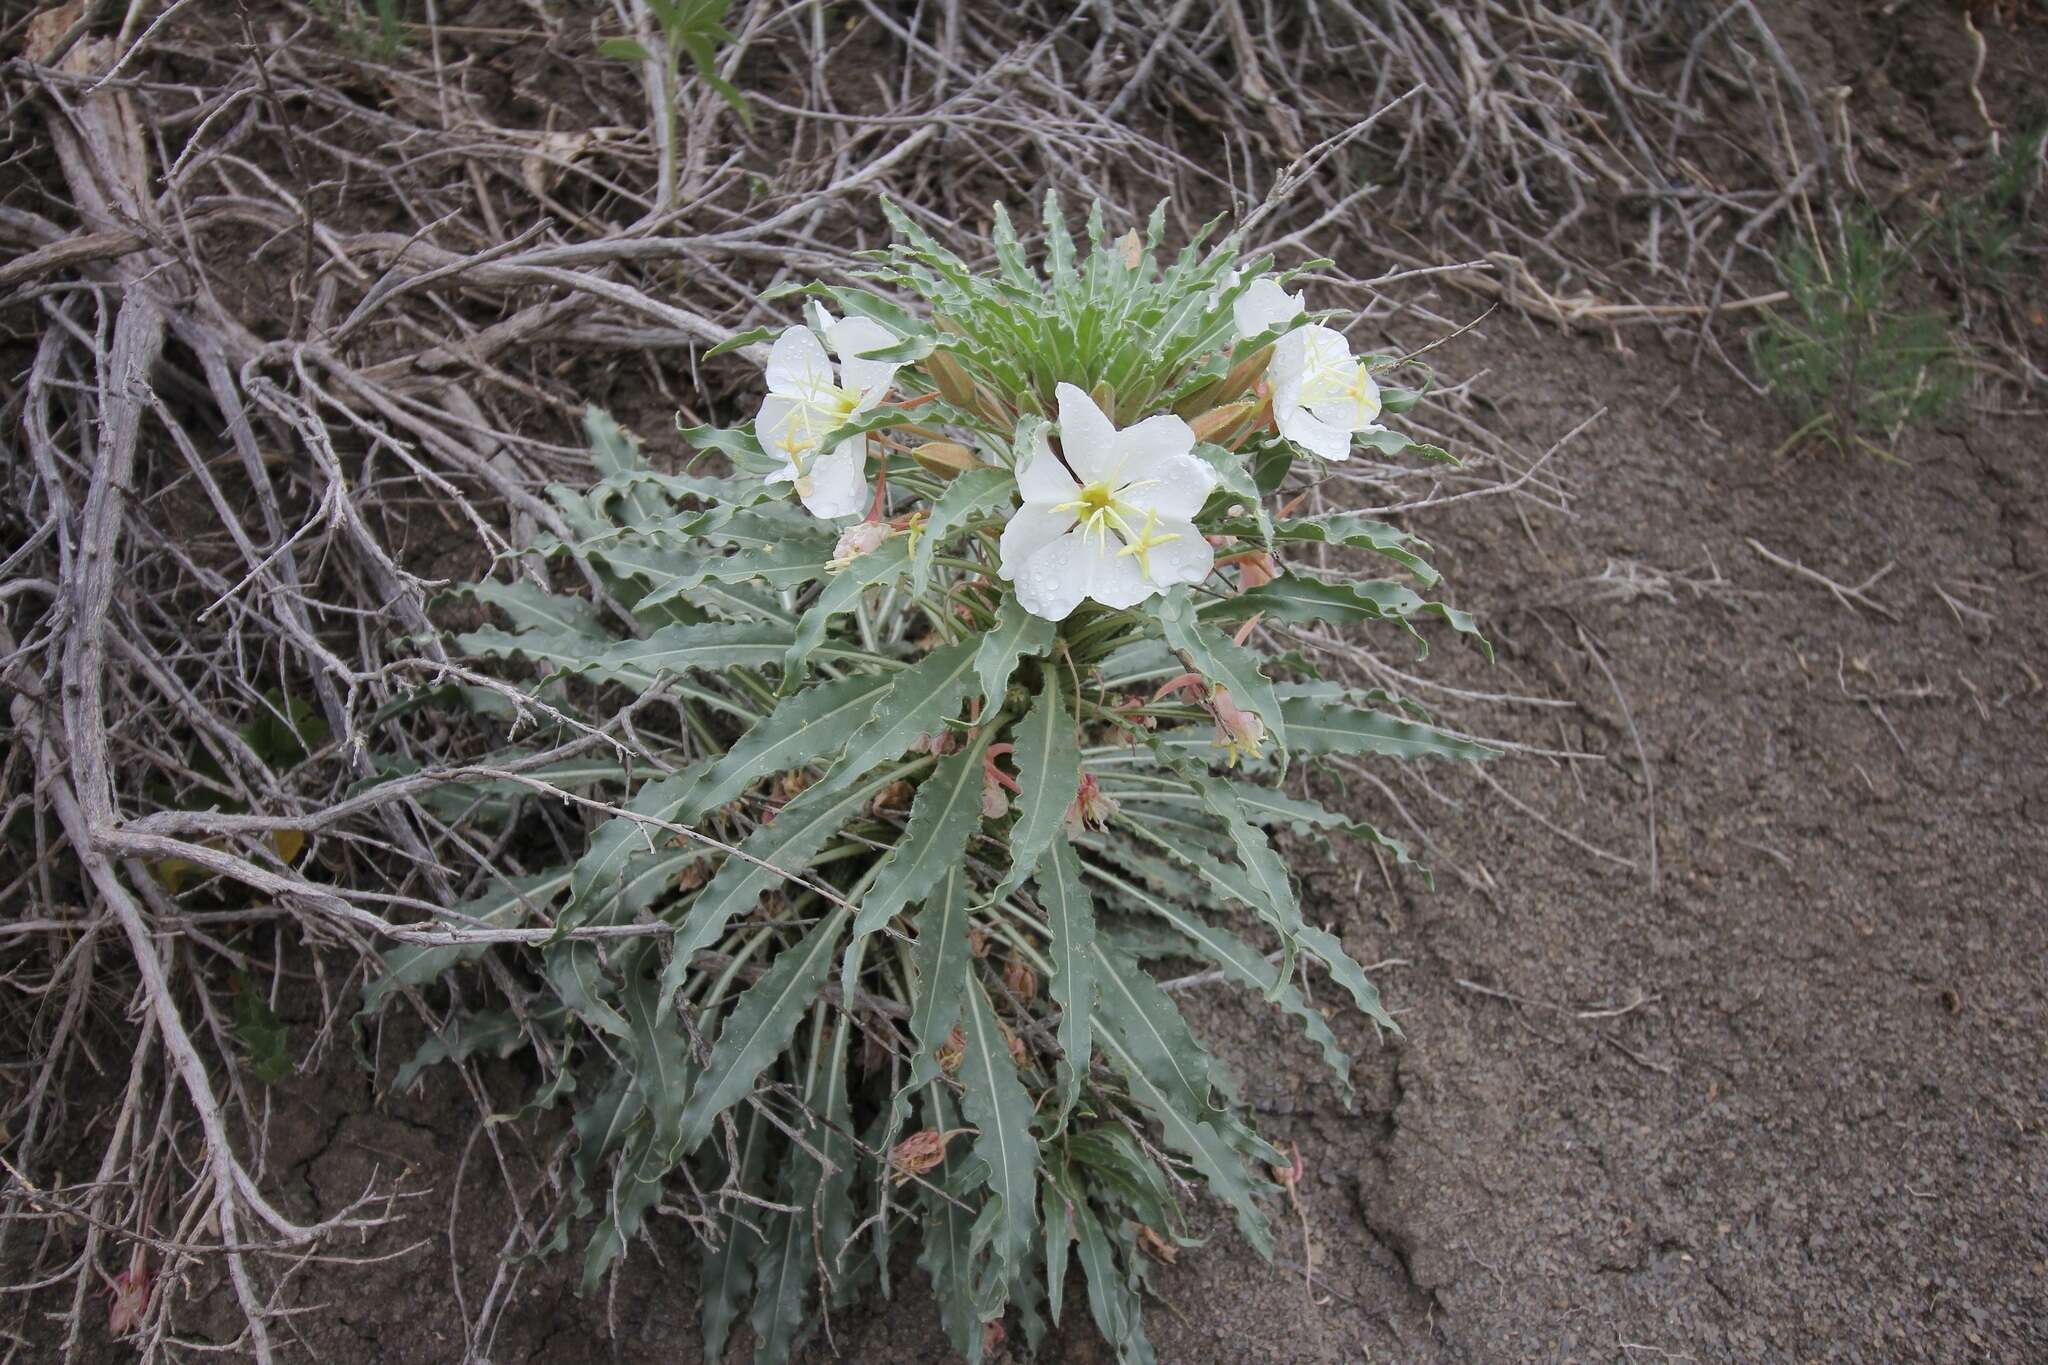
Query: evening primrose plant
968	717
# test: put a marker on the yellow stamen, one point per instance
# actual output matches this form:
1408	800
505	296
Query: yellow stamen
1143	546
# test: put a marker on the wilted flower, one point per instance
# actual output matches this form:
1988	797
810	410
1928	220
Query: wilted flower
1238	731
1022	981
996	784
1322	394
807	401
952	1050
1123	532
856	540
920	1152
1092	808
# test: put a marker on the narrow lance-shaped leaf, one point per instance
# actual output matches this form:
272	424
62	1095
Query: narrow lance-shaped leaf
1046	748
996	1103
758	1029
1325	726
938	962
786	846
816	722
948	1255
919	702
1070	915
508	904
1266	885
944	813
1115	1306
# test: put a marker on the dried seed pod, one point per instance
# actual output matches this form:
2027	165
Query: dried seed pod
951	378
953	1051
1022	981
946	459
977	943
895	796
1210	425
1019	1054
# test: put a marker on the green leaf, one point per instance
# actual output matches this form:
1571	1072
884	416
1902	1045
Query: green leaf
655	1047
575	969
1058	1214
641	664
812	724
1264	885
788	843
532	609
727	1272
938	963
1015	635
758	1030
943	816
261	1035
841	594
1115	1306
1070	916
949	1253
1198	1140
463	1037
1292	598
974	493
1346	528
1347	973
739	341
1212	654
624	50
1324	726
1046	748
995	1102
922	699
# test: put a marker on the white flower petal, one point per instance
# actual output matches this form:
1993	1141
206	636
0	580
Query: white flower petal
798	364
1303	428
1148	448
1351	412
1187	558
1108	575
786	427
839	481
1288	369
871	378
1031	530
1177	489
1048	585
1043	478
1087	437
1263	305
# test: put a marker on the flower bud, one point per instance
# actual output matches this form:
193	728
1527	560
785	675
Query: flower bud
947	459
1215	422
952	379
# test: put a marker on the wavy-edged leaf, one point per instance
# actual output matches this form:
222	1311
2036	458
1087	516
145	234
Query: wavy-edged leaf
919	702
1112	1302
708	647
787	844
996	1103
1347	973
1263	883
1320	725
975	492
943	816
1238	960
949	1253
786	1268
814	723
1353	529
1017	634
1046	748
841	594
618	840
1070	915
938	963
530	608
1294	598
661	1063
1213	655
758	1029
1203	1144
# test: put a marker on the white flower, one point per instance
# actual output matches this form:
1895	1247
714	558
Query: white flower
1321	393
807	401
1120	534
